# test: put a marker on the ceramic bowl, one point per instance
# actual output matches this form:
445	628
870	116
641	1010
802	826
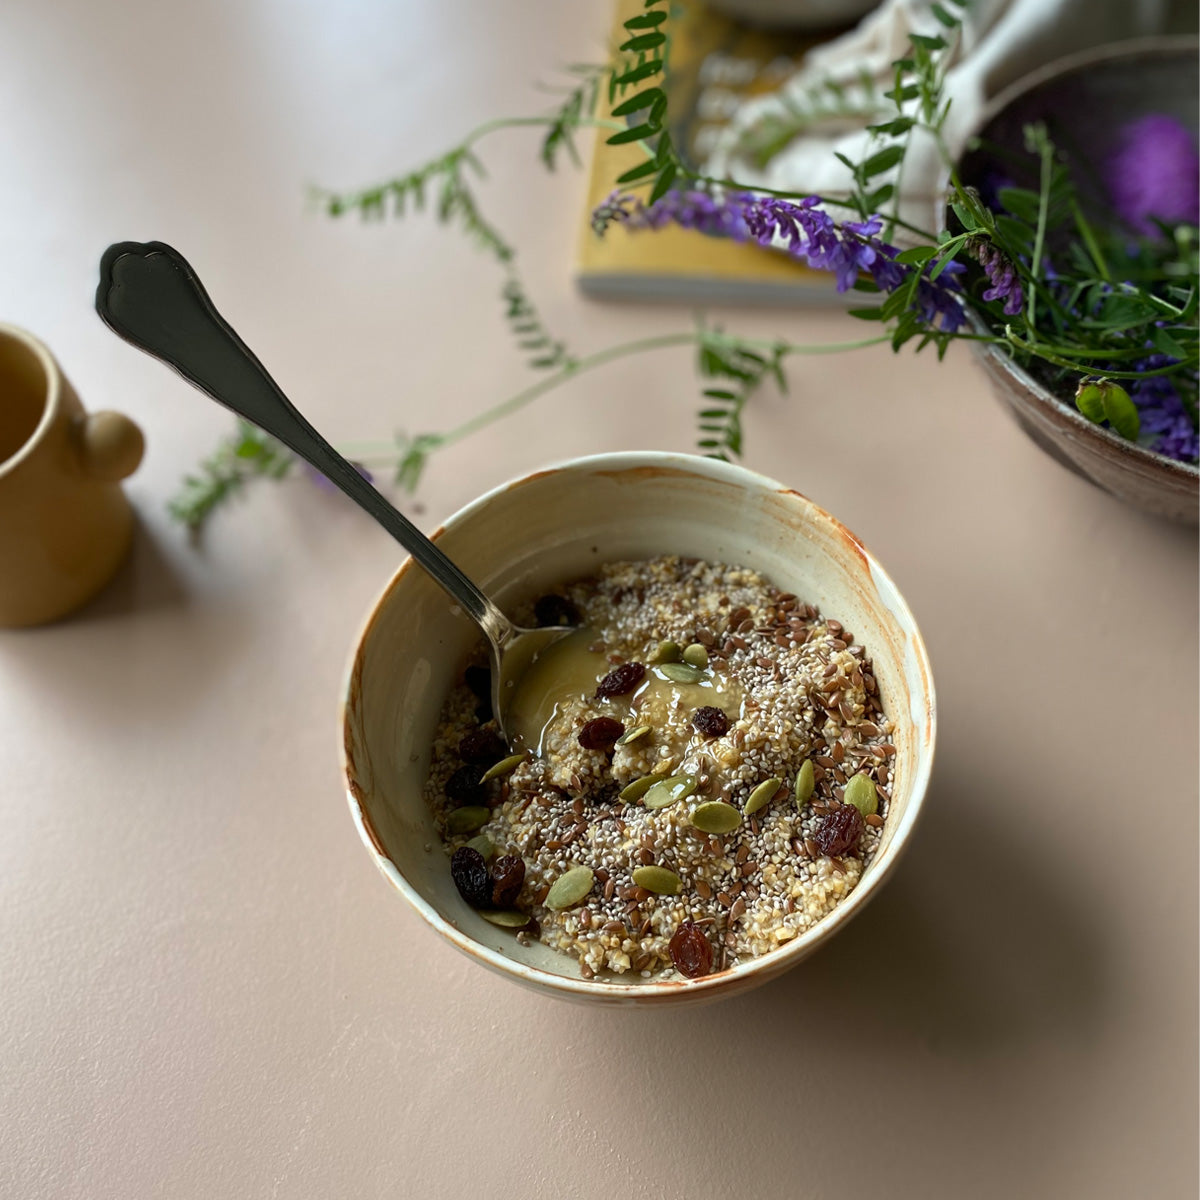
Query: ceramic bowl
1083	99
559	524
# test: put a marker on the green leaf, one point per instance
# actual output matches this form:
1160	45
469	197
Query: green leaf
1017	238
867	314
942	15
1164	343
645	99
663	184
1022	203
665	152
900	95
941	265
880	196
641	171
963	212
638	134
918	254
894	127
883	161
636	74
926	42
644	41
650	20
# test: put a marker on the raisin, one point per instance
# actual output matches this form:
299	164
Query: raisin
484	746
691	951
470	875
710	721
508	873
555	610
621	680
534	928
479	680
839	832
600	733
463	787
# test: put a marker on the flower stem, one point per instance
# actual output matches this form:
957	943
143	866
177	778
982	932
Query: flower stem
377	453
1039	240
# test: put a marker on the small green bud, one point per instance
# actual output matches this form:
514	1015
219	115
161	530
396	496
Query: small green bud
1103	400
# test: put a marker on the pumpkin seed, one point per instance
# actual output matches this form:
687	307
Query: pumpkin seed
633	735
658	880
761	796
696	655
569	888
666	652
468	819
483	844
682	672
668	791
664	766
504	766
507	918
860	792
805	783
716	817
637	789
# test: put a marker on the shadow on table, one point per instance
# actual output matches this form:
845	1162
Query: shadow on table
975	946
143	649
145	581
931	1019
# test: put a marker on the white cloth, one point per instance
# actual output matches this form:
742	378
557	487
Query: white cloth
1001	41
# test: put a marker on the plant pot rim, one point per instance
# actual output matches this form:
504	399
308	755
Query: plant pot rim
1066	413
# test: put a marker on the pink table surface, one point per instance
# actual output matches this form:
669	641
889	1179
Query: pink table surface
207	989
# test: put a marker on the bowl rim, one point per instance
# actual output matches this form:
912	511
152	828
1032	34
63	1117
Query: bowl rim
772	963
1182	44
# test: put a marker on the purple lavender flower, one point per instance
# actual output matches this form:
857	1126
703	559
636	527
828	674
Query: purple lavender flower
1163	412
1001	273
847	249
616	206
696	210
1153	172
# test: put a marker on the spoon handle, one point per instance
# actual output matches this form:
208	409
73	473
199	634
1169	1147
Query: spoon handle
152	298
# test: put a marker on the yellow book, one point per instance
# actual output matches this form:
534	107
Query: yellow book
714	64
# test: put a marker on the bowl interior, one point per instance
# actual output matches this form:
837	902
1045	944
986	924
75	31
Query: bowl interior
561	524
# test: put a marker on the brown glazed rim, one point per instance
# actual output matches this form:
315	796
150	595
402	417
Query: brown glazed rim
1063	413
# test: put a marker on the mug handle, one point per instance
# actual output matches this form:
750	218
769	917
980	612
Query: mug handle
110	445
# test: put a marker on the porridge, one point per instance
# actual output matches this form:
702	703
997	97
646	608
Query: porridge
700	773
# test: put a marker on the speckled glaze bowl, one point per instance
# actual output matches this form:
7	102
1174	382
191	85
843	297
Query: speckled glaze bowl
560	524
1084	99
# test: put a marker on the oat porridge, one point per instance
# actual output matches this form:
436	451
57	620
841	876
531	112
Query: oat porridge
700	773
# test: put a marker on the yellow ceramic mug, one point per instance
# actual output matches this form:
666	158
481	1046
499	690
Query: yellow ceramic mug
65	524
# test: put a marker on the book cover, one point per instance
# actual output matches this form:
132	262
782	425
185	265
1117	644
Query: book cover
715	64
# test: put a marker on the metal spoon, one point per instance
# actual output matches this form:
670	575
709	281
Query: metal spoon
152	298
